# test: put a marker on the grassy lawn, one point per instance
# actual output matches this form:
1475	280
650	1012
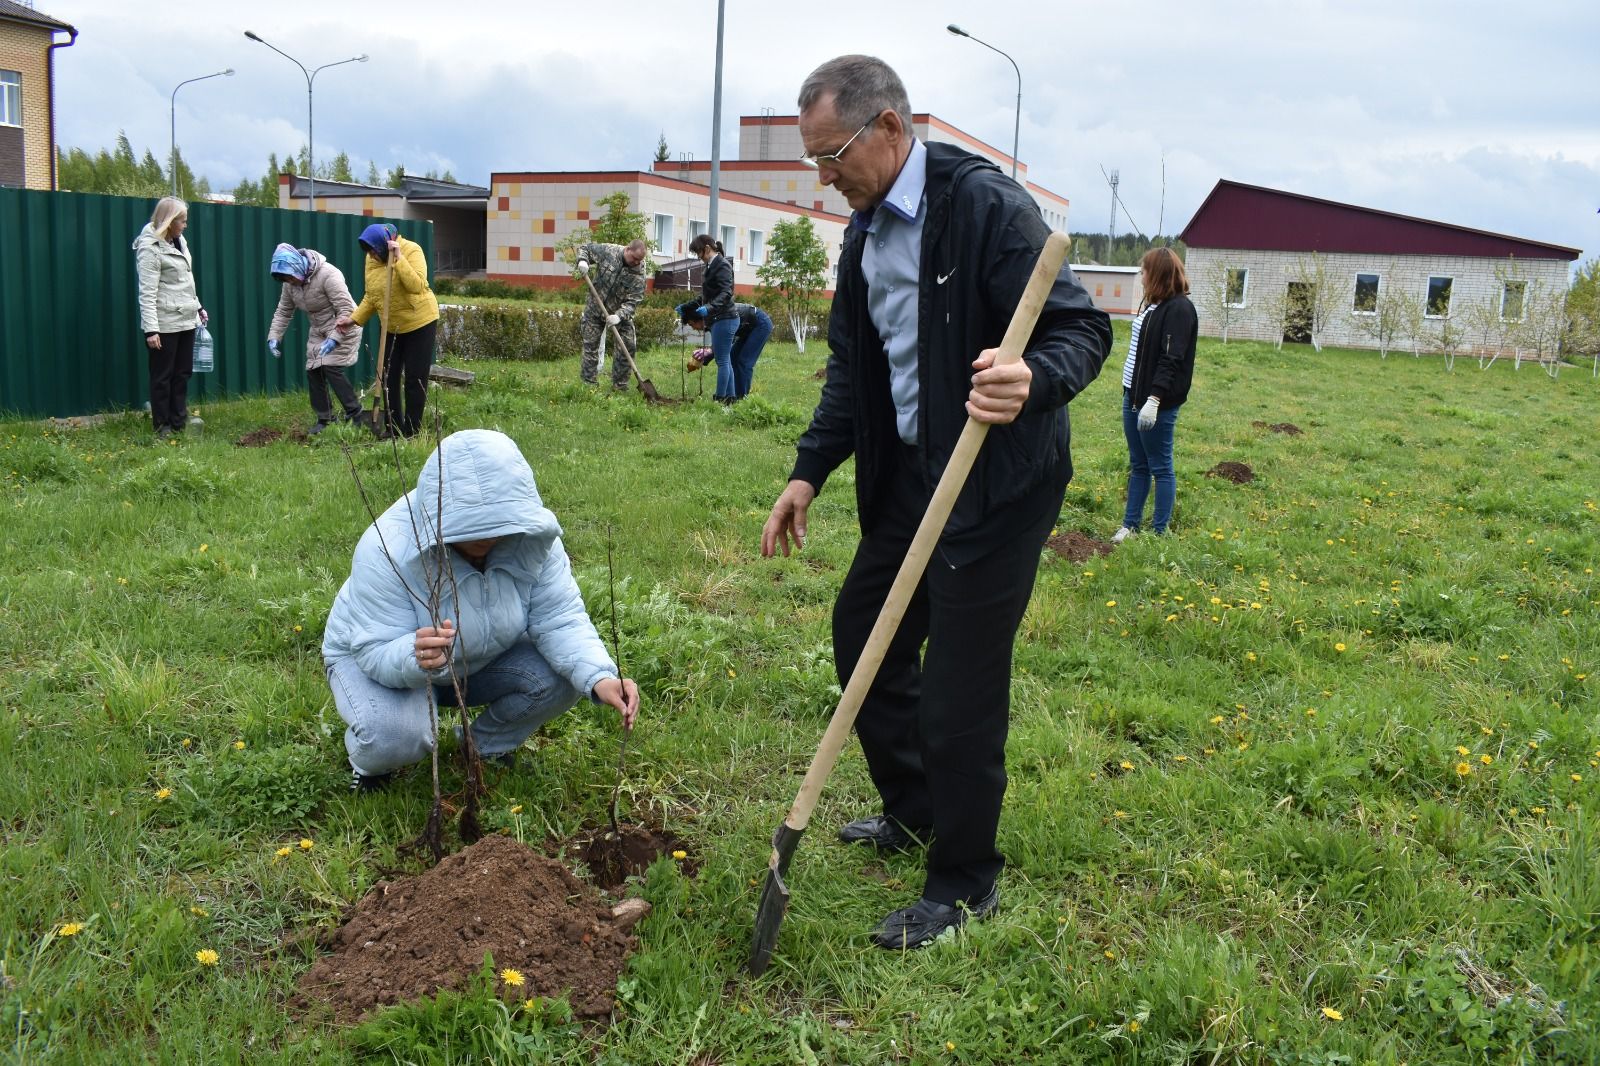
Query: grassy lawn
1312	780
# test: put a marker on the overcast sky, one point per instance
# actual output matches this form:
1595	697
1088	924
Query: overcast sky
1474	113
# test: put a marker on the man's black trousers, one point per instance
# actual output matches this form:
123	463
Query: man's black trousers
933	726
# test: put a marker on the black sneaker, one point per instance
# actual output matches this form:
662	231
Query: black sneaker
925	922
883	833
360	782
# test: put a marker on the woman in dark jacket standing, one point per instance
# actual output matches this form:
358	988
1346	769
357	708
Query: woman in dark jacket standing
1155	383
716	307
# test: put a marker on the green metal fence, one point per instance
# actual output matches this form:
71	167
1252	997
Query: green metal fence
69	317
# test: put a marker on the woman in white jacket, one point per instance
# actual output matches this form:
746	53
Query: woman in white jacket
512	621
169	311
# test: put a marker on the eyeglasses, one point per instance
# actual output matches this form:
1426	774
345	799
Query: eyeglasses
832	159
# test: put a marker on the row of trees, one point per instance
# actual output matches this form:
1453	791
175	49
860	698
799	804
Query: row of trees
1124	250
120	172
1523	316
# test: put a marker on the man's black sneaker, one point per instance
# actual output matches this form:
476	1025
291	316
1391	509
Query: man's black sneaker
919	925
883	833
360	782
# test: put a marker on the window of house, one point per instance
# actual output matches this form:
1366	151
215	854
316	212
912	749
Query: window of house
1512	298
1238	286
10	98
697	226
1366	302
729	239
758	247
1439	297
664	234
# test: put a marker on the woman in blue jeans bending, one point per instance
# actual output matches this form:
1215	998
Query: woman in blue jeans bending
716	307
1155	384
754	327
512	627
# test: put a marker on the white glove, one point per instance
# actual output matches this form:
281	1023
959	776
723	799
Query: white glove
583	268
274	348
613	320
1147	414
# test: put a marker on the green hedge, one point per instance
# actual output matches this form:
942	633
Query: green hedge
538	333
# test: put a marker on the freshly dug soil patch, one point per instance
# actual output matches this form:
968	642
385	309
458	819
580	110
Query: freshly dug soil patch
410	937
1238	473
1280	427
821	374
258	438
612	860
1077	548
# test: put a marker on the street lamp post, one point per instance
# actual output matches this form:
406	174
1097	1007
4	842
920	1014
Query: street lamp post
1017	129
311	77
172	145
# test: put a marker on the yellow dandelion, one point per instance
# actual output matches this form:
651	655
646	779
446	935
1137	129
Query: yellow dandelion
206	957
1339	646
1243	745
1125	764
1216	600
1463	751
1110	954
1133	1026
297	629
1503	658
238	745
188	743
1250	656
1486	759
1486	731
1119	814
531	1004
1576	777
205	547
680	854
1172	617
1464	769
949	1045
1311	712
732	673
70	929
1254	606
163	793
1111	603
1533	745
1180	758
516	808
1332	1015
199	912
1536	810
1216	719
306	844
512	977
283	853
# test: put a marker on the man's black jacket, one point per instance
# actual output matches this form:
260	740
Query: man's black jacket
980	241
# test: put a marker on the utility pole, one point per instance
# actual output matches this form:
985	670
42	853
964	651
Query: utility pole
716	132
1111	230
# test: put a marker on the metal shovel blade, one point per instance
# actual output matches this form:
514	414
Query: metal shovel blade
774	898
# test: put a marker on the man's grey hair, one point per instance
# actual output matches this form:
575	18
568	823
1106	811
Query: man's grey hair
862	86
637	245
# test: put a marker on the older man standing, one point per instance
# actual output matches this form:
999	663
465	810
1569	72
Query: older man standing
939	249
618	277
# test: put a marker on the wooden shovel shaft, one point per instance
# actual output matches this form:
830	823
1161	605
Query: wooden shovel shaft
383	323
616	335
923	543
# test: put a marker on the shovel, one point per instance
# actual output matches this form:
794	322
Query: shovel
775	894
379	419
646	386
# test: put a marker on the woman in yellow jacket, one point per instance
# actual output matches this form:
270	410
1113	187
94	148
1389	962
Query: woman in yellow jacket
413	315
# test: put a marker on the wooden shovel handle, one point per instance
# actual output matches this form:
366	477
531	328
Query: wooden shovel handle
383	321
623	348
950	484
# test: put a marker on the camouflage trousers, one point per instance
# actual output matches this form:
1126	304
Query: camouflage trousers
592	328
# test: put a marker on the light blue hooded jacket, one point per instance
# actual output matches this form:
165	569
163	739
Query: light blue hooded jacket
526	589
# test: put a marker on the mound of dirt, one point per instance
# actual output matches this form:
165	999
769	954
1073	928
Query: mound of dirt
613	859
410	937
821	374
1280	427
1238	473
258	438
1076	548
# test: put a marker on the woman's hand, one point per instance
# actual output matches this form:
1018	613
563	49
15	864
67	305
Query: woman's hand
394	247
433	645
153	341
343	322
621	693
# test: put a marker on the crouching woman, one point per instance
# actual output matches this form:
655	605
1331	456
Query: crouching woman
513	627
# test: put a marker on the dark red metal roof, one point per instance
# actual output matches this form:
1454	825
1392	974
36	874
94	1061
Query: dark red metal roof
1258	219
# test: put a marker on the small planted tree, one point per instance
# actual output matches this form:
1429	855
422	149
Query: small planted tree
1583	314
1321	298
1221	295
1384	320
796	269
617	226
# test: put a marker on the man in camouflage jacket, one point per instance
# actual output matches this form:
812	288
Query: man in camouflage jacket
618	277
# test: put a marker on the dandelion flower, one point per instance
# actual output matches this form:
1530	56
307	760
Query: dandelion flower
1180	758
1486	759
282	853
1503	658
297	629
70	929
1119	814
680	854
1533	745
199	912
188	743
1577	777
949	1045
204	547
1486	731
1171	617
206	957
1110	954
163	793
1111	603
306	844
1339	646
1536	810
511	977
1133	1026
1464	769
1311	712
238	745
1332	1015
1126	765
516	808
1216	719
1463	751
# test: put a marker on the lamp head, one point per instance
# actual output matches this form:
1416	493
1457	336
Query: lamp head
252	36
229	72
362	58
953	28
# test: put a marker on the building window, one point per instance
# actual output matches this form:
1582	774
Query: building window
1366	302
10	98
696	228
1439	297
758	247
664	234
730	237
1238	286
1512	299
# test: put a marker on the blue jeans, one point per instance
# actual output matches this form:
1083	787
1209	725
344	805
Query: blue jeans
387	728
747	345
722	333
1149	459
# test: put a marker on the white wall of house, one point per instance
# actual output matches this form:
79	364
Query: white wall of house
1473	280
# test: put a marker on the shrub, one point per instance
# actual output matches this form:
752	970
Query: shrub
538	333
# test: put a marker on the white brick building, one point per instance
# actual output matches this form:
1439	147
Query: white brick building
1259	240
